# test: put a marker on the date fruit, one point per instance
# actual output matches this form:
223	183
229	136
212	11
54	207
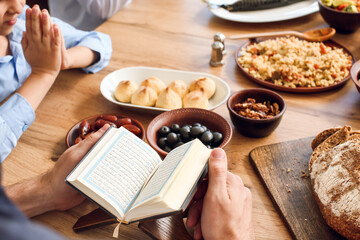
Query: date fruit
132	128
84	128
123	121
101	122
110	118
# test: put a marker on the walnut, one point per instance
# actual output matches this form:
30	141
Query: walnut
250	109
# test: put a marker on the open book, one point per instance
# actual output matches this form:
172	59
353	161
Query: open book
127	178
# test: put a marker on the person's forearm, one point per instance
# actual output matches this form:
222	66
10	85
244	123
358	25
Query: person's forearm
30	196
36	87
82	57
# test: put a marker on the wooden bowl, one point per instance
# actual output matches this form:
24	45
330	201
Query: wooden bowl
345	22
255	127
355	74
183	116
74	130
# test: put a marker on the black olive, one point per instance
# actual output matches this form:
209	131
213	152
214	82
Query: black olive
205	128
167	149
178	144
207	137
196	131
175	128
164	131
187	125
172	139
208	146
196	125
162	142
218	138
185	133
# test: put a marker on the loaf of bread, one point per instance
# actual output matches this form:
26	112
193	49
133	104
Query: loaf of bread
335	178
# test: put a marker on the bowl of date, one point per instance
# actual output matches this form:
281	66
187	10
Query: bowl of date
89	125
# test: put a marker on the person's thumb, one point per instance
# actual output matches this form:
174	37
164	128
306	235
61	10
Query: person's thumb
217	171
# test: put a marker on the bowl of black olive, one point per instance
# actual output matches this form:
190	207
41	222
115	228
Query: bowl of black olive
177	127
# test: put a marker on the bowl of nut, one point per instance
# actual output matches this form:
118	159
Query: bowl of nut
355	74
176	127
89	125
256	112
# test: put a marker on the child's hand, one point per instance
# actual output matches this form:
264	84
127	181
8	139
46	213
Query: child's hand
42	42
66	60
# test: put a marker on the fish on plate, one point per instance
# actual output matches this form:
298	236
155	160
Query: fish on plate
250	5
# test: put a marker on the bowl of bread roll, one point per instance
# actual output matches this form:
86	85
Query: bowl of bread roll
159	90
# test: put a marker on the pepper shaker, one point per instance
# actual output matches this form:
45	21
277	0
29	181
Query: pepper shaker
217	54
219	37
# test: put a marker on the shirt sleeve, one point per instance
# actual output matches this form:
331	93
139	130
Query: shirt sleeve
16	115
96	41
103	9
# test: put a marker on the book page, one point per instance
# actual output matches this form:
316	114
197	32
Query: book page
120	171
163	173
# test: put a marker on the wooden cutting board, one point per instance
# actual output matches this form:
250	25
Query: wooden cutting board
280	168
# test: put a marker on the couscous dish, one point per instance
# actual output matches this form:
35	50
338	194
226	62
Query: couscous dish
292	62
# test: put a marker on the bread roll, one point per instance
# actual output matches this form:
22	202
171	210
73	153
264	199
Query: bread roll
179	87
124	90
154	83
144	96
196	99
168	99
206	83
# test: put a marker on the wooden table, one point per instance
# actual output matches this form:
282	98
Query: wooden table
176	35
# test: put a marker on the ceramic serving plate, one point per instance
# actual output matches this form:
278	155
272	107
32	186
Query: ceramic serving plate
289	89
295	10
139	74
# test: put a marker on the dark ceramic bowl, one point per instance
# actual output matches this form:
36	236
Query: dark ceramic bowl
183	116
345	22
74	130
355	74
255	127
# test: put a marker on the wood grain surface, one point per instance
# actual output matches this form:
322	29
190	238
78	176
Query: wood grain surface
168	228
176	35
283	170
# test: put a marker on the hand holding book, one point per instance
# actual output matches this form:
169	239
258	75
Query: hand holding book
106	175
127	178
226	199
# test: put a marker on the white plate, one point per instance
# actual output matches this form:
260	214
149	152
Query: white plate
269	15
139	74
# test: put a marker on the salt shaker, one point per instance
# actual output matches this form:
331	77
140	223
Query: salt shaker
219	37
217	54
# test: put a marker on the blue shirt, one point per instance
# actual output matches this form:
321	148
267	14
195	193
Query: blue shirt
16	113
14	225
